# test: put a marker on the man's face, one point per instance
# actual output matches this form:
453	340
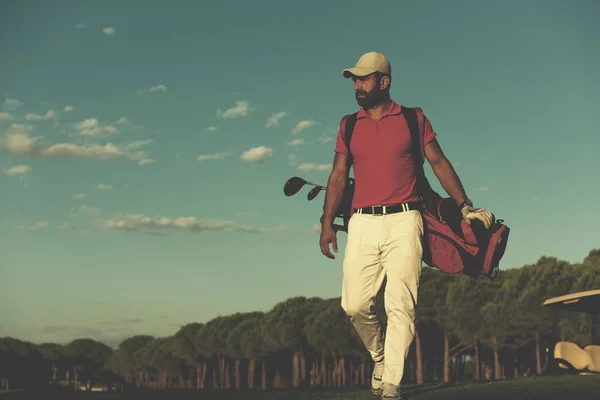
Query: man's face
367	91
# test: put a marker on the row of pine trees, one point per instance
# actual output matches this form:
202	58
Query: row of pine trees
466	329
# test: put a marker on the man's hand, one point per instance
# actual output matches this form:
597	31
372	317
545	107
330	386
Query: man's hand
470	213
328	236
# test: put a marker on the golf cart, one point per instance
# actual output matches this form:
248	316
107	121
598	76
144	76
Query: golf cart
564	355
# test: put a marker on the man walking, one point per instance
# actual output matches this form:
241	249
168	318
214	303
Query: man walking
384	242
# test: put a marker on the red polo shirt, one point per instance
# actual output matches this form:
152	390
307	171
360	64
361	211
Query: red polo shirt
383	167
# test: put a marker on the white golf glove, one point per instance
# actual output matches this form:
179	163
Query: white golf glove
470	213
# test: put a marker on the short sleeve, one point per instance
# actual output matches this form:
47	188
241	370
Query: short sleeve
340	144
428	132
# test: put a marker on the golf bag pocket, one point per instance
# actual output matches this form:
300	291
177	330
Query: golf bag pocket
457	247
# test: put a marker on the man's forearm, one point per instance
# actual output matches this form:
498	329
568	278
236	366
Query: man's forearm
450	181
333	197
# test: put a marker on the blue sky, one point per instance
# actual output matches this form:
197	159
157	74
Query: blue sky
144	145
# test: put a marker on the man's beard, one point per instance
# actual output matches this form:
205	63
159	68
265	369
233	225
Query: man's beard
369	100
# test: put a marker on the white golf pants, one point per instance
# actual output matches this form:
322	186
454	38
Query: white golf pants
378	247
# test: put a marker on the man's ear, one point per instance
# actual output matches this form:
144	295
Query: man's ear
384	83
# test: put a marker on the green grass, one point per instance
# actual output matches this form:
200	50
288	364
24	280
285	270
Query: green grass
546	388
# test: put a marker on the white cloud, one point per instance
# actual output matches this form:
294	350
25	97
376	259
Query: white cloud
36	117
14	103
85	211
17	170
146	161
92	128
32	117
241	109
153	89
4	116
123	121
79	26
484	188
214	156
275	119
158	88
135	222
108	31
39	225
325	139
246	214
68	108
103	187
292	159
257	155
78	196
303	125
64	226
297	142
211	129
308	167
18	141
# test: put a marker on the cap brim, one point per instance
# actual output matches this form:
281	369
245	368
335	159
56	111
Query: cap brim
358	72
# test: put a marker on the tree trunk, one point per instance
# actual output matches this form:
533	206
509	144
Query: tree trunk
75	379
343	371
324	374
314	376
477	361
296	370
446	358
497	367
419	356
263	378
238	375
222	372
362	372
334	371
227	376
251	370
488	372
303	372
538	359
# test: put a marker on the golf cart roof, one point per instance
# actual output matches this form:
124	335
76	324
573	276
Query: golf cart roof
588	301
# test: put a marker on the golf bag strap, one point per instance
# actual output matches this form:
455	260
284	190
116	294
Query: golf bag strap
415	139
348	130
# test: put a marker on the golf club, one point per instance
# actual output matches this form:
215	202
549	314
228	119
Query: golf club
294	184
336	227
313	193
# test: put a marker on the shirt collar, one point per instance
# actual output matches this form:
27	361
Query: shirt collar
395	109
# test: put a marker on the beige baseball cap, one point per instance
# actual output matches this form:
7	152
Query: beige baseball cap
367	64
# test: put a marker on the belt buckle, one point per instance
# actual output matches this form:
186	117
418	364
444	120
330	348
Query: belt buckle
373	211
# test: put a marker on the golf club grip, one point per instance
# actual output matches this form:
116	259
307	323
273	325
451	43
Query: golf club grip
337	227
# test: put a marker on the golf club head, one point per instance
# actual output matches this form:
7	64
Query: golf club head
313	193
293	185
